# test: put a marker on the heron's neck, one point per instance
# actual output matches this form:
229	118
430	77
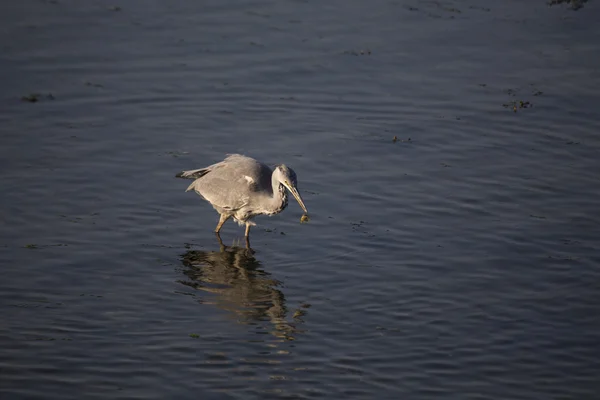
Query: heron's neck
279	199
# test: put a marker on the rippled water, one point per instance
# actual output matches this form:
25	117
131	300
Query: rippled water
459	261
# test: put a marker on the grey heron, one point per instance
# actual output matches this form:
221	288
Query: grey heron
241	188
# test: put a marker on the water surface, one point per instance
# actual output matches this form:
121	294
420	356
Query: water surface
459	261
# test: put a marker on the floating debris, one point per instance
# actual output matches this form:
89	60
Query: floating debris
358	52
570	241
35	97
97	85
480	8
32	98
515	105
31	246
575	4
194	336
176	153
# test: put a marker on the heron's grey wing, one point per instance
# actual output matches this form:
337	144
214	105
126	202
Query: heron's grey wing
256	174
231	183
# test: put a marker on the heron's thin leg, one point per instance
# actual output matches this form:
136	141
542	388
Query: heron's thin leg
248	243
247	229
222	220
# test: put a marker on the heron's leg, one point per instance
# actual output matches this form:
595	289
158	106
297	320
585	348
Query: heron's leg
223	219
247	229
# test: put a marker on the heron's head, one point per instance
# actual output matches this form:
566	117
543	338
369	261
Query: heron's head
287	177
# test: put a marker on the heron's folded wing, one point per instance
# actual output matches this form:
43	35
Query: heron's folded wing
223	193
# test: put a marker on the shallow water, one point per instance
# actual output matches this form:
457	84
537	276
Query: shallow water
460	261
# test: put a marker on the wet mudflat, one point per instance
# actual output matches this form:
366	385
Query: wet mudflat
448	153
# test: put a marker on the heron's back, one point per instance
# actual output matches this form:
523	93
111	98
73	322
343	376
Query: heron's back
232	183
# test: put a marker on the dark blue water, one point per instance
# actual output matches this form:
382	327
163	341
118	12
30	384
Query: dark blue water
460	261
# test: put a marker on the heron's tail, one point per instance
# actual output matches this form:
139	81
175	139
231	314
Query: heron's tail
193	174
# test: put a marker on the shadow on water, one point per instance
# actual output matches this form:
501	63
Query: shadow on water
239	285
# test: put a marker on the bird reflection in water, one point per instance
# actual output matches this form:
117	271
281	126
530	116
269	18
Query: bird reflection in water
239	285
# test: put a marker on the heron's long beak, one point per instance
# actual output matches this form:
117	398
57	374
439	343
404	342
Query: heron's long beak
294	191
